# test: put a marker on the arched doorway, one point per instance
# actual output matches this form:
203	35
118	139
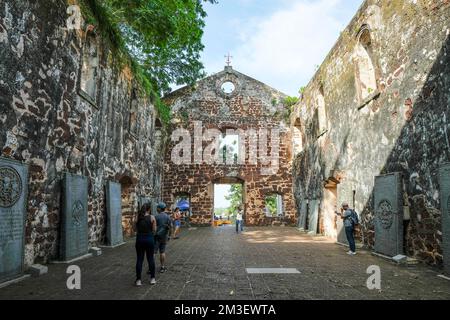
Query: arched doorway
228	194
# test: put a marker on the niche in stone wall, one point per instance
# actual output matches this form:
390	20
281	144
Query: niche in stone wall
366	83
321	113
89	68
158	134
297	138
133	127
118	136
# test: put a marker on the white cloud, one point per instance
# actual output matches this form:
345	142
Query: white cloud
284	48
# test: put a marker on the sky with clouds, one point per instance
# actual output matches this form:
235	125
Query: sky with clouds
279	42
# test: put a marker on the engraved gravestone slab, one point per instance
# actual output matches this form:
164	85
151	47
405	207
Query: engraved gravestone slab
154	203
13	197
74	219
388	211
444	185
114	233
313	216
303	214
344	194
143	200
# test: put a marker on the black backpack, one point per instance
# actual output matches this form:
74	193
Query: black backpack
354	217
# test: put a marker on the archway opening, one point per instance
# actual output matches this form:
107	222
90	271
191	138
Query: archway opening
128	210
228	199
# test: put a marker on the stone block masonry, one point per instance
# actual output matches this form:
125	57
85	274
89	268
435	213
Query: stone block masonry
379	104
249	105
66	107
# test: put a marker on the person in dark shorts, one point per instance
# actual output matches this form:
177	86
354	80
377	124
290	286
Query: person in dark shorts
145	245
163	226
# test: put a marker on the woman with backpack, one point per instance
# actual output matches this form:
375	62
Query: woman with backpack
145	243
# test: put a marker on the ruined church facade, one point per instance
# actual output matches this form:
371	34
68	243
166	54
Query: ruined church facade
263	164
378	108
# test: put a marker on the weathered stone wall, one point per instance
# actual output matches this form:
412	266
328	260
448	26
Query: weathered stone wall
398	124
252	105
105	131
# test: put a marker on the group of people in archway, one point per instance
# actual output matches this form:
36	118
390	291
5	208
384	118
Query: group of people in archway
152	234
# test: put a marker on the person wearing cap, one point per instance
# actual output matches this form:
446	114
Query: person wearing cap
163	228
346	215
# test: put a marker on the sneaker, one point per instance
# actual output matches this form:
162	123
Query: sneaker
163	269
152	281
353	253
138	283
349	252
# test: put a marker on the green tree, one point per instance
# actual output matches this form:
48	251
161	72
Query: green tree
235	198
163	37
290	101
271	204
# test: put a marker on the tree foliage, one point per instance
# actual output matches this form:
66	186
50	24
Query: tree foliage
163	37
271	204
235	198
290	101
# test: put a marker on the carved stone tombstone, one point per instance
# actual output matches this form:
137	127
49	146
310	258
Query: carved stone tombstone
74	219
388	210
344	194
143	200
444	185
154	203
303	214
114	233
13	197
313	216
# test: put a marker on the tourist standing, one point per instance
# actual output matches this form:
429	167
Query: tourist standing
350	220
176	223
163	228
239	220
145	245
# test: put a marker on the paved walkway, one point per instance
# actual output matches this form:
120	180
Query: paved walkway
210	263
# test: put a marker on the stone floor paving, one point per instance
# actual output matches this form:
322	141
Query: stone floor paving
210	263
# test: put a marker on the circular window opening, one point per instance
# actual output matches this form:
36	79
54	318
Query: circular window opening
228	87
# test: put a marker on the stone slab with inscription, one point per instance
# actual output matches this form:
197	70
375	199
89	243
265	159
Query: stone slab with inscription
344	194
303	214
388	209
13	198
444	185
114	233
313	216
74	217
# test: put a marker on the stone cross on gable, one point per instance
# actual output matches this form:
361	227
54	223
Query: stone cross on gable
228	61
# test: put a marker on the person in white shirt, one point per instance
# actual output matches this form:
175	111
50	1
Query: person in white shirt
239	220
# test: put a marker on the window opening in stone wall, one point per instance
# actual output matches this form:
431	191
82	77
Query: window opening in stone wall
229	148
297	139
274	205
366	82
228	87
89	68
